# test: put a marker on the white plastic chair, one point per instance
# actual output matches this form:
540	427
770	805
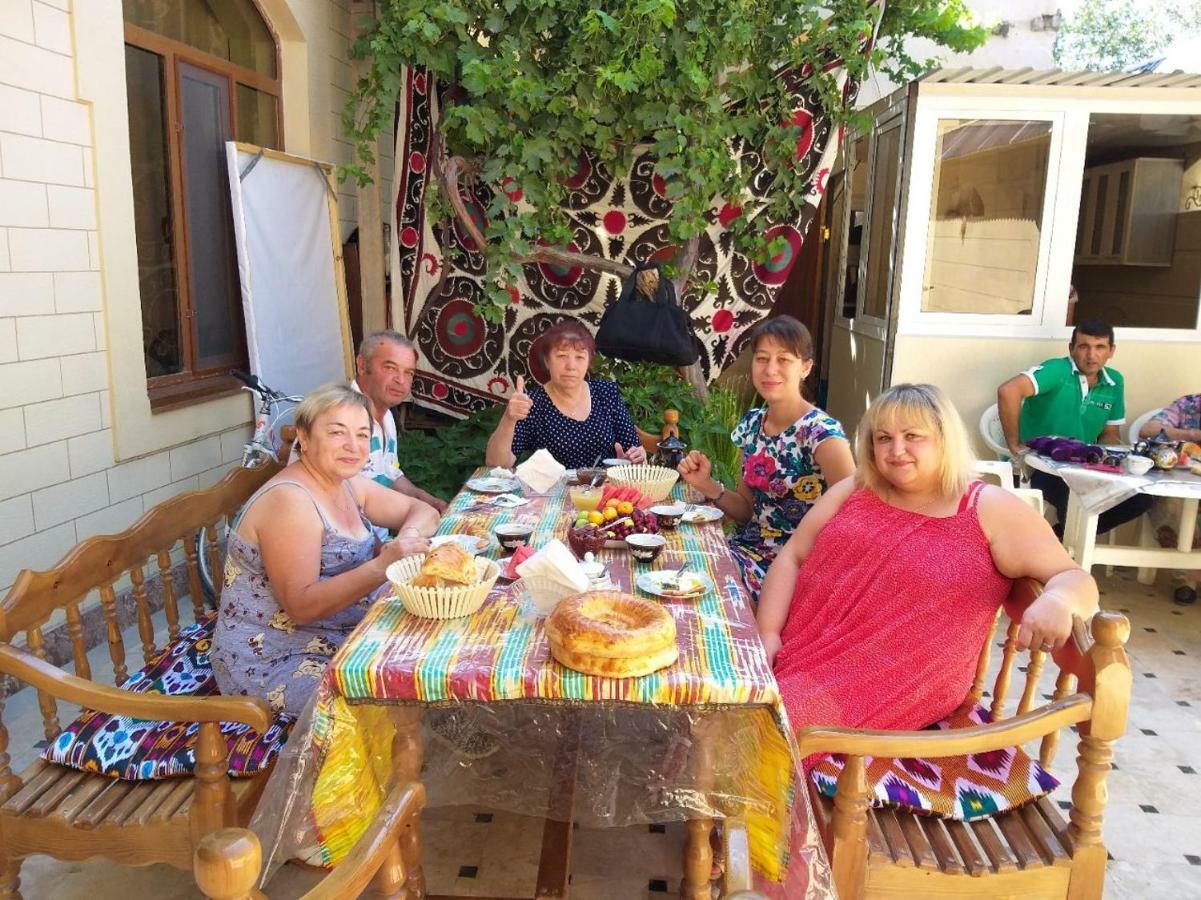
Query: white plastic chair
991	432
1137	425
1000	469
1033	497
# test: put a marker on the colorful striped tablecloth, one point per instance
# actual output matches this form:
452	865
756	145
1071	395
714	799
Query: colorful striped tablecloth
501	654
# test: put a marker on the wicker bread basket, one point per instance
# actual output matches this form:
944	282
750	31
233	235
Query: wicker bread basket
654	481
441	602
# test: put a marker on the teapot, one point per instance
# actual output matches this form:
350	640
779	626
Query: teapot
671	451
1162	450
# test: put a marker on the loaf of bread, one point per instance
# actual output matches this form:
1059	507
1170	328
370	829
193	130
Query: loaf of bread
447	565
612	633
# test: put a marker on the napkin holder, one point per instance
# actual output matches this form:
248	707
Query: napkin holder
541	472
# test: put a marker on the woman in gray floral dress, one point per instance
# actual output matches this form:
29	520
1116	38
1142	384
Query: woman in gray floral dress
791	452
303	563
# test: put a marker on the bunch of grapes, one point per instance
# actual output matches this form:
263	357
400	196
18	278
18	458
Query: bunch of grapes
638	522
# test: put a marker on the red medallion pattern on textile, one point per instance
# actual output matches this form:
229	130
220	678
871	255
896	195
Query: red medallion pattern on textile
438	272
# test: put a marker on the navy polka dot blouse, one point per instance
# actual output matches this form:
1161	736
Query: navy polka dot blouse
573	443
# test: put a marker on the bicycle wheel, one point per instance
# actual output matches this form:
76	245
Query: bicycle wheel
207	585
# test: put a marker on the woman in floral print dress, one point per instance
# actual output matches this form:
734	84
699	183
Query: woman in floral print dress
791	452
303	562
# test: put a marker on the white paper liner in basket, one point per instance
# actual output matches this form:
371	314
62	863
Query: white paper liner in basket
441	602
546	592
654	481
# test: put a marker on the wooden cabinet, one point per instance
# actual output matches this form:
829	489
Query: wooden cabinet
1128	213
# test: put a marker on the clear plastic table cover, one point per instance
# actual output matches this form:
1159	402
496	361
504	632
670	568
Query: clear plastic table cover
629	764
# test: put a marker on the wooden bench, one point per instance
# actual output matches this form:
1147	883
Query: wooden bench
73	815
1027	852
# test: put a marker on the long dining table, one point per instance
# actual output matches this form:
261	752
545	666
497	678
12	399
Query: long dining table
477	710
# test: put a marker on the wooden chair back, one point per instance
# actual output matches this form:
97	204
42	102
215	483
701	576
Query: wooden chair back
1076	670
99	563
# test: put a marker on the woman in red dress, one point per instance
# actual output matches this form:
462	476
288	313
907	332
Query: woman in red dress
874	612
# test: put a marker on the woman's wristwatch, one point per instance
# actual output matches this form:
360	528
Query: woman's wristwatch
720	493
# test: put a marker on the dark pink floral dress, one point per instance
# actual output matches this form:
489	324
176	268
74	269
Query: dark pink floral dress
258	650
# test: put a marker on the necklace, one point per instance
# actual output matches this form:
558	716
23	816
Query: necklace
917	509
578	407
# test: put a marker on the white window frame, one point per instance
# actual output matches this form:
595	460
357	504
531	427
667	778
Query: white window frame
1065	174
912	319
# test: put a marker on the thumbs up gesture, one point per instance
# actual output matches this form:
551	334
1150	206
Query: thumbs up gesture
520	403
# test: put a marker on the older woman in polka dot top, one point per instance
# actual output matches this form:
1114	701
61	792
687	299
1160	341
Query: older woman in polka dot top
577	418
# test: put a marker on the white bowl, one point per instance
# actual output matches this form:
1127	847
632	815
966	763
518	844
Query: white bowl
441	602
1137	465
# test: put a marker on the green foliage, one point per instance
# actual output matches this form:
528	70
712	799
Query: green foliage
711	435
440	461
1106	35
648	389
542	81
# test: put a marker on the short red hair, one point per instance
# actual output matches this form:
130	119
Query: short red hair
568	333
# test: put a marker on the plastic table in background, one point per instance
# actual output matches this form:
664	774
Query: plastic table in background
1092	492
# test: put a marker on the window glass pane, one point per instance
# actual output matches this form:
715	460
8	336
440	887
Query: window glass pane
257	123
990	179
1141	266
229	29
153	226
881	229
213	280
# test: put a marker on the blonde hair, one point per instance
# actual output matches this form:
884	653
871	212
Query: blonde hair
926	406
321	400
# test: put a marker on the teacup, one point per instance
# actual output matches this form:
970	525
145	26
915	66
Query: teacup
668	514
513	535
1137	465
645	547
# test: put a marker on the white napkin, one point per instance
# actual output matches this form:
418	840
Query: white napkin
500	472
553	560
541	472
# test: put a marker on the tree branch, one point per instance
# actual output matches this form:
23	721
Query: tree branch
687	262
449	169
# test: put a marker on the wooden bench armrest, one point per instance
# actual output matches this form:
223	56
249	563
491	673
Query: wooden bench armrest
114	701
953	742
227	862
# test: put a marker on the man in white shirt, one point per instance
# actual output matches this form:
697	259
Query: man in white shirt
385	366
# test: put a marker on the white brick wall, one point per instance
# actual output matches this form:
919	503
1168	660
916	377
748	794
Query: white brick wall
59	483
58	480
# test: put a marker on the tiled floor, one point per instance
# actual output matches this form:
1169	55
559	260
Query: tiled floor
1152	827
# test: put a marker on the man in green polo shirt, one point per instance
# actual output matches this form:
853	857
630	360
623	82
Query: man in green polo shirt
1076	396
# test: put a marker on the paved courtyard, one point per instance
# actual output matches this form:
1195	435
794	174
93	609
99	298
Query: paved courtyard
1152	828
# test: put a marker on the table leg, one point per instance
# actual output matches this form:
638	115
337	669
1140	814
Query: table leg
1146	538
1188	525
401	875
1086	541
698	851
1071	527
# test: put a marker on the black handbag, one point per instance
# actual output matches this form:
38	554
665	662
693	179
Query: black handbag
640	329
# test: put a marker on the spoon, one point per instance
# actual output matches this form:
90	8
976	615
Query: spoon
674	582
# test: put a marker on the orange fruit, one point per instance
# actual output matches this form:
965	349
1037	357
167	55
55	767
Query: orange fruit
610	514
595	517
625	507
611	503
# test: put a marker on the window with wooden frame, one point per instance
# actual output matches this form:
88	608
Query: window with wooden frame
198	73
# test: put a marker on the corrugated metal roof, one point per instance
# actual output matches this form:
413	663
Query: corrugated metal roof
1060	78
